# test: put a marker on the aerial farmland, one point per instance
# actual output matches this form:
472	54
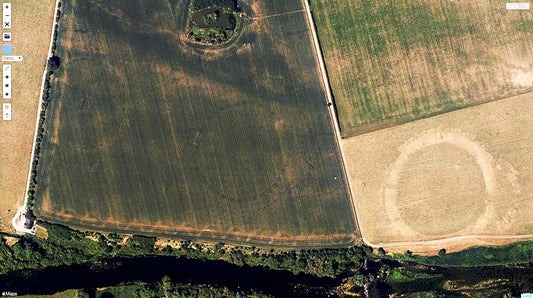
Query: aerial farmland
291	148
434	103
394	62
149	132
216	125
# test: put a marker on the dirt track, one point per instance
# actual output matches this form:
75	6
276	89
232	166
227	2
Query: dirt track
333	114
452	244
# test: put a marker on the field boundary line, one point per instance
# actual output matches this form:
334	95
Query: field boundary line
202	235
497	99
333	114
272	15
454	238
24	207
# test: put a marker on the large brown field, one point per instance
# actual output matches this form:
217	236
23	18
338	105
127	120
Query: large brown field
466	172
32	25
146	132
390	62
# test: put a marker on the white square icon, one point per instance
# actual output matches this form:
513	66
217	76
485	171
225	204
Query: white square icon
6	36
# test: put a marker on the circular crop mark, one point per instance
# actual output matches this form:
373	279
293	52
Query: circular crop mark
440	181
436	220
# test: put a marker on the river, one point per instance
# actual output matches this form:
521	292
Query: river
152	269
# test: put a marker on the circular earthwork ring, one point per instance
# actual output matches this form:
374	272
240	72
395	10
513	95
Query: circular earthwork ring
429	138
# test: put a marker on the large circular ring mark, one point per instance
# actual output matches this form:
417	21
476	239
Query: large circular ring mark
390	193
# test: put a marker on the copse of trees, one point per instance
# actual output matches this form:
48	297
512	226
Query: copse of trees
53	63
224	10
442	252
202	4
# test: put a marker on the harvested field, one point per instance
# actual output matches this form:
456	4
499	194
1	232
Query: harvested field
394	62
147	133
466	172
31	28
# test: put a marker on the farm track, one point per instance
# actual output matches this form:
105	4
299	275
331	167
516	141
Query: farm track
273	15
199	235
23	208
333	113
452	239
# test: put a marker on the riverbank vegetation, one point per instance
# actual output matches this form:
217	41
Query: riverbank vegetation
167	288
485	270
514	253
65	246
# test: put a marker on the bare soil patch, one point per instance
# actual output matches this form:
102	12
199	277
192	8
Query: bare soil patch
10	241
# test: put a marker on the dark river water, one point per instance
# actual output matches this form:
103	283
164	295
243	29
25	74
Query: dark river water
218	273
181	270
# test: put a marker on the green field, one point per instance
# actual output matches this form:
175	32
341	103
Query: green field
146	132
390	62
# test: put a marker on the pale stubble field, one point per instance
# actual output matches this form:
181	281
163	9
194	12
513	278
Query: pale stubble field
463	173
32	24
